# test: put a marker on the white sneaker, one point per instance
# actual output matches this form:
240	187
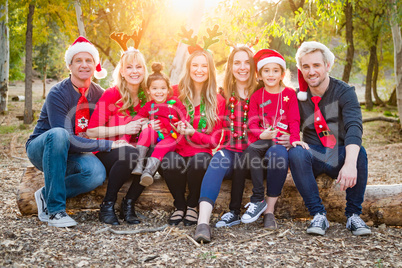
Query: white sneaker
318	225
61	219
255	209
357	225
41	204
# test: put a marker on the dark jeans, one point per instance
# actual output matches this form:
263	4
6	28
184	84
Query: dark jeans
306	165
119	163
225	164
179	171
262	157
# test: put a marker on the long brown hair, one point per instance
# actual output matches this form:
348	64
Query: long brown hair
229	82
209	89
121	83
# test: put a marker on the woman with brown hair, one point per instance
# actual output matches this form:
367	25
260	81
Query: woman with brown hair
239	85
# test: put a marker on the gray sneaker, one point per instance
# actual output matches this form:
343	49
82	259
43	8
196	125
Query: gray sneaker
42	207
254	211
318	225
61	219
357	225
228	219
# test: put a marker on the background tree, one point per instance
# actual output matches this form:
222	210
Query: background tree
4	56
28	113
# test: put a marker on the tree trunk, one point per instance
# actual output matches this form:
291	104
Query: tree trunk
44	81
369	76
382	202
375	77
397	38
4	57
193	22
28	116
80	22
392	99
348	10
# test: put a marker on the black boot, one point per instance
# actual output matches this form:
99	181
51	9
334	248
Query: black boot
107	214
127	211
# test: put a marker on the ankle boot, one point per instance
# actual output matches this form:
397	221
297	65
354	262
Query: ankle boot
142	152
149	171
107	214
127	212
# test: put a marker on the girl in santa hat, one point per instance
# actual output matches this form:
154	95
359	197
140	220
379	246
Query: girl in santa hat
166	108
197	90
112	120
239	85
273	112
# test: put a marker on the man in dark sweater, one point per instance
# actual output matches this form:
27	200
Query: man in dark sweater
57	148
331	122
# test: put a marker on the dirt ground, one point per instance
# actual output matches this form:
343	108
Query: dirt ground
27	242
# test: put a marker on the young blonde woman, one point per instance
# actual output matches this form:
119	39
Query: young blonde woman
239	85
112	120
197	90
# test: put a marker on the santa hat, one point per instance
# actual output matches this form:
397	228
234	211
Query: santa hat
305	48
81	44
265	56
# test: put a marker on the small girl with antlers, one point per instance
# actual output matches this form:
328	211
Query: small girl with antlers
168	110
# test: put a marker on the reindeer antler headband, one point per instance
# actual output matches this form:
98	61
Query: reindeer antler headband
192	41
249	44
122	38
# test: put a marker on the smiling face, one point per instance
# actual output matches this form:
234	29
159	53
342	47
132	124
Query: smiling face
315	71
158	90
133	72
199	69
241	67
271	74
82	66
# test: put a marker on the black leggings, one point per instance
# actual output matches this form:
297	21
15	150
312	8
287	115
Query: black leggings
179	171
119	163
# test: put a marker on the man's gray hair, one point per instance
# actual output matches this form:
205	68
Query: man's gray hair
312	46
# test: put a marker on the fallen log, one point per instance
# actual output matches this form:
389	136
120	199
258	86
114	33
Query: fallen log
381	118
382	202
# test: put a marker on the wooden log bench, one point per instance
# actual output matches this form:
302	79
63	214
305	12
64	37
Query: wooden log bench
383	203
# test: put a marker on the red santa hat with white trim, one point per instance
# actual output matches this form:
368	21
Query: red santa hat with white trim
265	56
305	48
81	44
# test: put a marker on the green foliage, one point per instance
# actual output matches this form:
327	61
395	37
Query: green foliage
207	255
7	129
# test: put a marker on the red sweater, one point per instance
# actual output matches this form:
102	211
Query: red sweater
282	114
201	142
107	112
228	141
162	111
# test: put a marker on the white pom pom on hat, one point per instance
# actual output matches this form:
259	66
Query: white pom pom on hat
81	44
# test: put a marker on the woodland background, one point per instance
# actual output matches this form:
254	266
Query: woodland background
364	35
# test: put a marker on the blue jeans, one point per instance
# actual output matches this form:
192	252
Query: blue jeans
66	175
306	165
222	165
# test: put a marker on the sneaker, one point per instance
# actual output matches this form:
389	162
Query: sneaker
318	225
255	209
41	204
357	225
61	219
228	219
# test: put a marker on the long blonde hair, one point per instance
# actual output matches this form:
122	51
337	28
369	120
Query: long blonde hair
121	83
209	89
229	82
